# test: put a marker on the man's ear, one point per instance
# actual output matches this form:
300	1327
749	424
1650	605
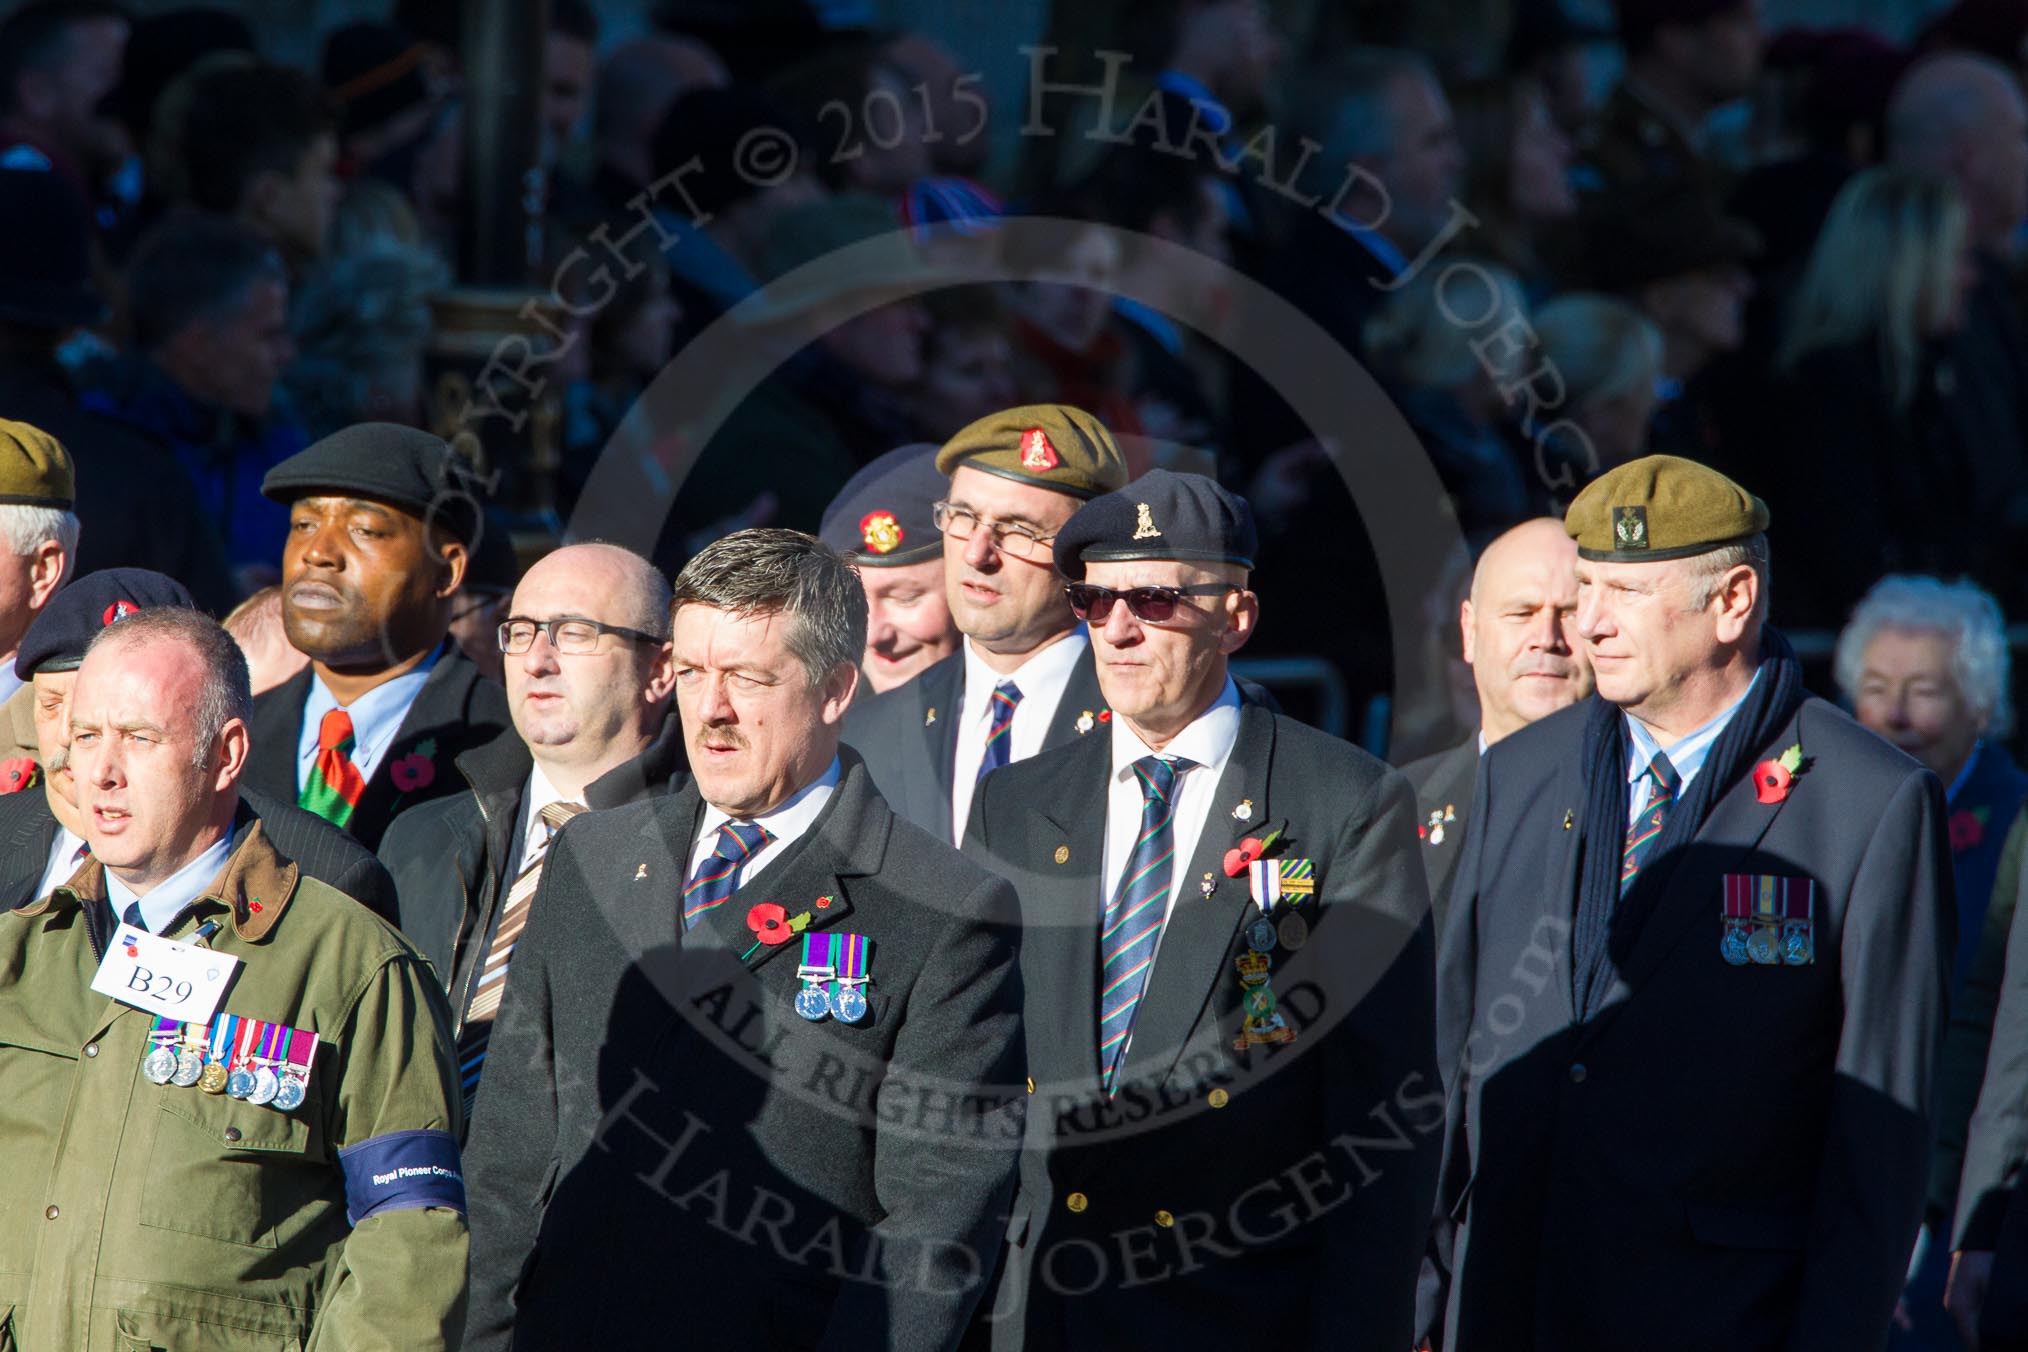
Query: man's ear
46	567
234	742
839	687
1465	627
455	559
1242	616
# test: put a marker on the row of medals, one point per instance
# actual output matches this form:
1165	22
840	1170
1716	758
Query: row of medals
255	1081
840	1000
1760	946
1265	1023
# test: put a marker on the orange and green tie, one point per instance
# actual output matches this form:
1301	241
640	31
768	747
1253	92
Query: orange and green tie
1663	782
335	785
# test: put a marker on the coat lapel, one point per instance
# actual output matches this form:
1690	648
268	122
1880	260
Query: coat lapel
25	848
1060	919
276	736
1081	693
812	877
1735	828
1191	960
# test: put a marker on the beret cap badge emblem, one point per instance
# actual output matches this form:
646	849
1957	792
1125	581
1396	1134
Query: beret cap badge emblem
1630	527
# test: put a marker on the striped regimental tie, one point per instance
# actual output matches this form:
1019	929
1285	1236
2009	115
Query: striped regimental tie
334	787
492	979
1005	696
717	875
1643	835
1133	920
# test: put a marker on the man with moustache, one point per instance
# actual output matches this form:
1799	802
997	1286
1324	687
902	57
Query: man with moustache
42	831
381	523
1226	963
761	996
1023	681
884	522
1692	987
319	1206
1520	638
588	683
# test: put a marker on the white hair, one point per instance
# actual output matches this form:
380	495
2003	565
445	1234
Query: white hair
1962	613
25	529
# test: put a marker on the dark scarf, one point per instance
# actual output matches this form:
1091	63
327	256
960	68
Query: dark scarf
1601	913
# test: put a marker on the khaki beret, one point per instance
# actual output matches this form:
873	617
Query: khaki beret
35	469
1661	507
1052	445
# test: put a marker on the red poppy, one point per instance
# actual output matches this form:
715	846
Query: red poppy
769	923
1237	858
1105	715
1966	829
413	771
1771	781
16	774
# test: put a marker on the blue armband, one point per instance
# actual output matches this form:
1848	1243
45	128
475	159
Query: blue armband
401	1171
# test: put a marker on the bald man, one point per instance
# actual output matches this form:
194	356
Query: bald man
589	679
1526	664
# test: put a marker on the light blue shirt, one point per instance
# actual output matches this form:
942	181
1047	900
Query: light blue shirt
1687	756
166	900
376	717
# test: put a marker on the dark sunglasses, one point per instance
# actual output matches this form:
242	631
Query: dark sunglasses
1154	605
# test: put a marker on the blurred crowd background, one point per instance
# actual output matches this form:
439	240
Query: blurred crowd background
1780	239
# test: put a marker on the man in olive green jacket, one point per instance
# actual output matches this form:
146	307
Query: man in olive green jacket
291	1182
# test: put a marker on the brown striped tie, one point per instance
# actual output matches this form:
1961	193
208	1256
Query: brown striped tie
491	979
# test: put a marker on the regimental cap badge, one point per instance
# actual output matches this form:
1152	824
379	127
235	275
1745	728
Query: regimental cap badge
1630	527
1036	452
881	532
118	610
1144	524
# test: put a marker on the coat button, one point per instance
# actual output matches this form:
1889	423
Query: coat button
1164	1219
1077	1202
51	1214
232	1133
1577	1073
1218	1098
91	1049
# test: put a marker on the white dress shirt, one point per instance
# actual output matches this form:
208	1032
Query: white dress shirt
1687	756
1207	743
1041	681
166	900
64	857
784	825
376	717
532	842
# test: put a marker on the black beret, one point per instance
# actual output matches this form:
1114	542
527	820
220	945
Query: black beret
59	635
1161	515
386	462
881	518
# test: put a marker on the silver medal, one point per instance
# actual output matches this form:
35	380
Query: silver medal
1294	931
1734	946
1260	935
811	1004
240	1084
160	1065
1762	946
290	1096
848	1003
189	1068
266	1085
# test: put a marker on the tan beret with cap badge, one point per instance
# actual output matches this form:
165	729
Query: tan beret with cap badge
1050	445
1658	508
35	469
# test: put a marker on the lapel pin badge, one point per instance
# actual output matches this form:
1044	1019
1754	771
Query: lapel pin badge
1085	722
1244	812
1568	817
640	872
1209	885
1062	855
929	717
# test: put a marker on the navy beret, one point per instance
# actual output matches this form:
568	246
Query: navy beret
404	467
1161	515
881	518
57	638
